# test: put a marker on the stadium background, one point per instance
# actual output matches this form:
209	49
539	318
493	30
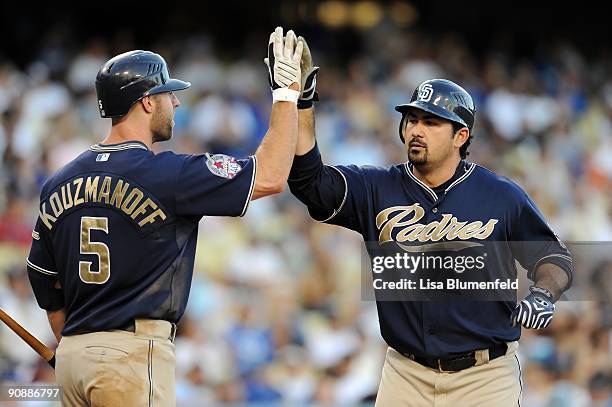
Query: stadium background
275	312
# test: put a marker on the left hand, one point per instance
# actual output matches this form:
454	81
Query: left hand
536	310
283	60
309	78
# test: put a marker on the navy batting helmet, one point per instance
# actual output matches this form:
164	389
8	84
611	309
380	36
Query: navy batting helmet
125	79
442	98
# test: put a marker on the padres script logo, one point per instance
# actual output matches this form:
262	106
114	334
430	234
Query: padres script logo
448	228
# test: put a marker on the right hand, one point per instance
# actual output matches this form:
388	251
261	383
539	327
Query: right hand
309	78
283	59
536	310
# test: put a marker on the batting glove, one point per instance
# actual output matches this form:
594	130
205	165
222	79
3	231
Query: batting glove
309	78
536	310
283	64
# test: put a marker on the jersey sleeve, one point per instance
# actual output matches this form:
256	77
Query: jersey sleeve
215	185
42	272
534	243
333	194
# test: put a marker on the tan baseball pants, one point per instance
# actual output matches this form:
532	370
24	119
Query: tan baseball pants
118	368
405	382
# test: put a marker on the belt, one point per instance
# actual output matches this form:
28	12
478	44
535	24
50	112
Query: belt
457	362
131	327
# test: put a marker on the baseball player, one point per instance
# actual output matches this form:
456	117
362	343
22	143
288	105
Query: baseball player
447	352
113	248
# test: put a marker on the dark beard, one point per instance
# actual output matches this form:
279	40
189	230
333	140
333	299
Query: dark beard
418	159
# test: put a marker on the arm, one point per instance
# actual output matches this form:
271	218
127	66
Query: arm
56	320
306	118
549	265
319	187
537	309
44	278
323	189
49	296
306	131
552	278
275	154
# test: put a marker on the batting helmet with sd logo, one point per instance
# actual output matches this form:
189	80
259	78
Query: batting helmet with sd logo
125	79
442	98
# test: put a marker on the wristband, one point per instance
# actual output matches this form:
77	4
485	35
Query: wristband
305	103
285	95
543	291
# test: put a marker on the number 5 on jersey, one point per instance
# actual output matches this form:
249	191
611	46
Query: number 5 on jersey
98	248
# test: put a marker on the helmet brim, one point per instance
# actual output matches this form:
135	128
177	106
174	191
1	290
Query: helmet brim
433	109
170	86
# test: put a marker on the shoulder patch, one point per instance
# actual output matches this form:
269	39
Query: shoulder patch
35	235
222	165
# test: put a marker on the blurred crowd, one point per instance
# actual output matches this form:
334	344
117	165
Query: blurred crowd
275	312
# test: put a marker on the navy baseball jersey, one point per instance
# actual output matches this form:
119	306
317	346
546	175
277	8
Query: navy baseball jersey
116	233
390	204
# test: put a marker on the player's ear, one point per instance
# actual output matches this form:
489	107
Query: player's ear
461	137
148	103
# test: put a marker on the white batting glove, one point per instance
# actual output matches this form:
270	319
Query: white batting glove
283	62
536	310
309	78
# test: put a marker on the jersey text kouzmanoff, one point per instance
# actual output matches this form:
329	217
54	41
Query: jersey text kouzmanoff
108	190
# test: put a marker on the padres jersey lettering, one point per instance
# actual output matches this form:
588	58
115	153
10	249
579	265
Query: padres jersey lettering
449	228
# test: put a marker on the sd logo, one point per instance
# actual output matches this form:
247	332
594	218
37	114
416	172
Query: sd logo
425	92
